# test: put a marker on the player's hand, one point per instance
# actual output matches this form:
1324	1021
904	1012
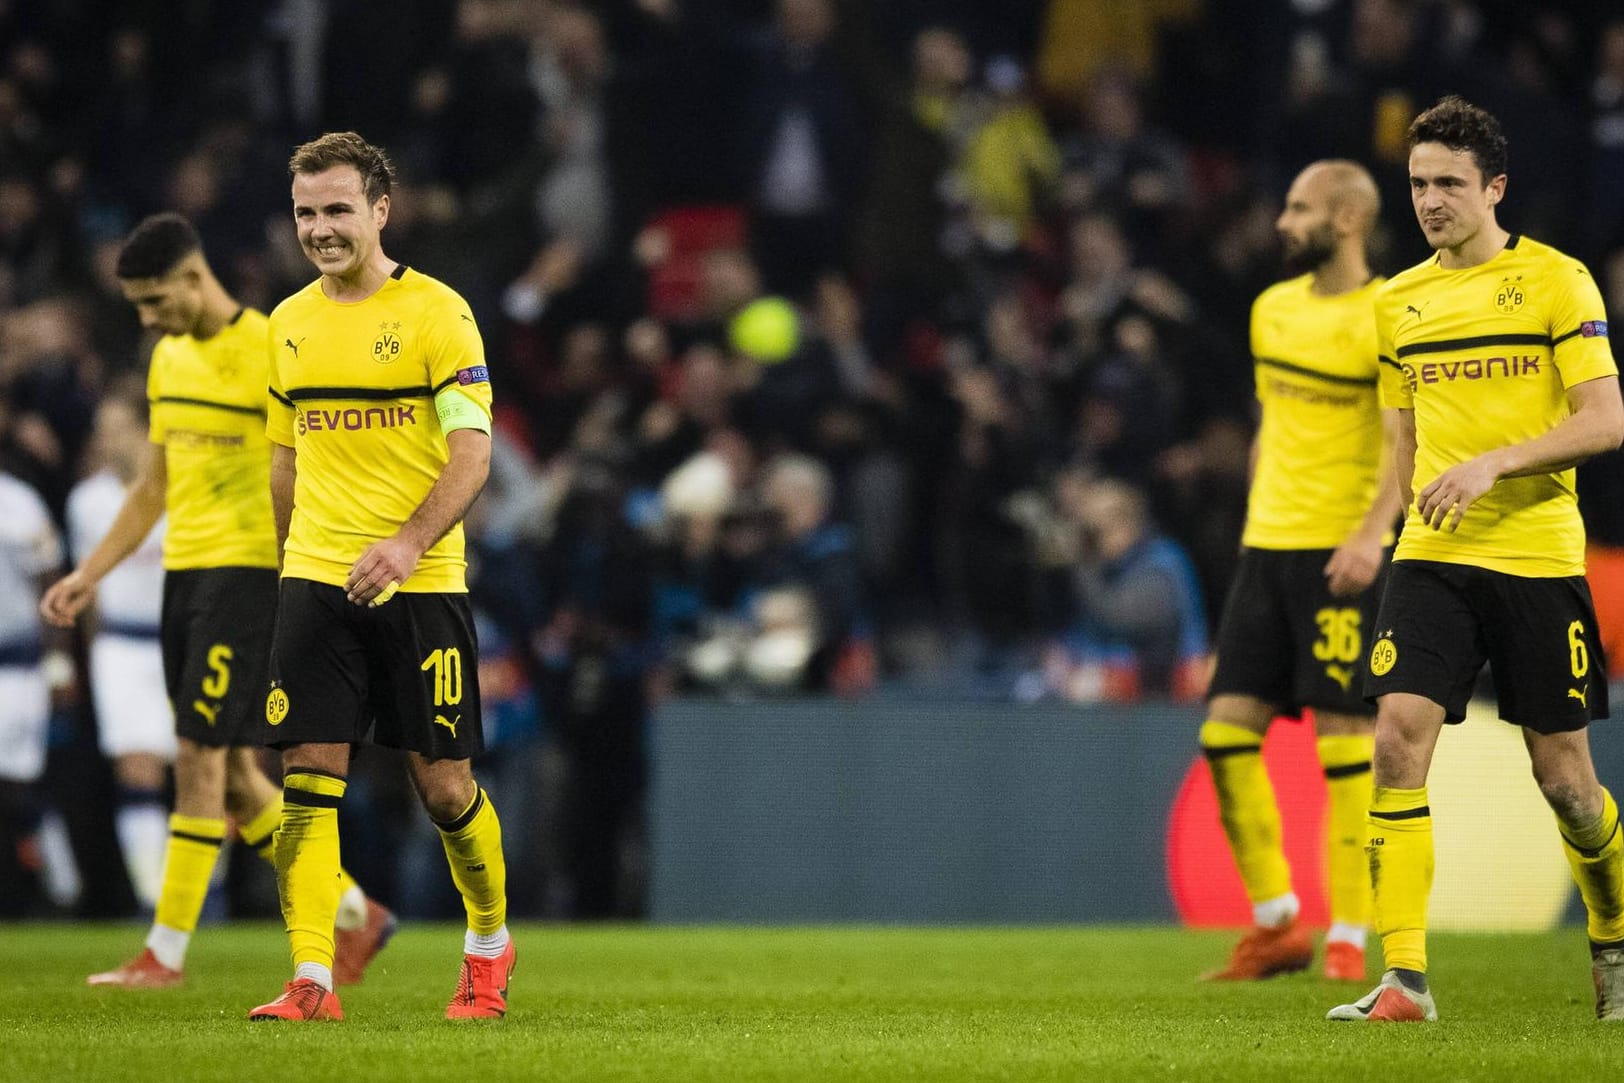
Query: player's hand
65	599
1445	500
1353	567
383	567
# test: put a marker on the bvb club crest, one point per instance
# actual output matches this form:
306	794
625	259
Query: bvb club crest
1383	657
1509	297
276	706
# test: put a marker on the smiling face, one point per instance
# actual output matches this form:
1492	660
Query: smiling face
338	228
1453	201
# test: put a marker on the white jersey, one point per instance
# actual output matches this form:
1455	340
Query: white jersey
129	598
29	548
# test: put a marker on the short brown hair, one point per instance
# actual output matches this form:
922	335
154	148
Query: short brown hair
1460	125
347	148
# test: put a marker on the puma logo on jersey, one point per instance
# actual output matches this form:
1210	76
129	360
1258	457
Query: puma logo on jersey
1416	311
1341	675
207	710
440	720
1580	694
294	346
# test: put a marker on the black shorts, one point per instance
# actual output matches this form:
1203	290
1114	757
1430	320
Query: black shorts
407	669
1440	622
1287	640
216	635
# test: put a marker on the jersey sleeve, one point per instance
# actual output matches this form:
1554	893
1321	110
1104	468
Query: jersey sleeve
1392	385
158	421
278	407
1579	326
1255	334
456	354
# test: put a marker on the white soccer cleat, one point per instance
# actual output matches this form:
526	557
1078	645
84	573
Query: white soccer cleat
1607	970
1389	1002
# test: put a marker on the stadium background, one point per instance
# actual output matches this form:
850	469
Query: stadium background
1022	239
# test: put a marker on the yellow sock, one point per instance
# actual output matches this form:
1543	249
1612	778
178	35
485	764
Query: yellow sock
1346	759
260	834
1596	854
307	863
1400	827
1246	805
194	846
473	848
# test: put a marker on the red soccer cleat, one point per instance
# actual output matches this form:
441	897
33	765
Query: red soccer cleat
1263	953
142	972
353	949
301	1001
482	987
1344	961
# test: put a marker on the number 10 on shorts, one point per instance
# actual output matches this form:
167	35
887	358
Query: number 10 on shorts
447	678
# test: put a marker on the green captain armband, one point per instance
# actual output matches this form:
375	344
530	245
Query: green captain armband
457	411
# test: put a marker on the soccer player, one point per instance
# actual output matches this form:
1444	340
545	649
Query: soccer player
1495	353
1321	514
134	725
380	412
210	471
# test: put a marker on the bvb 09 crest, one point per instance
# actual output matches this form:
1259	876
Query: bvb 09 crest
1509	297
386	347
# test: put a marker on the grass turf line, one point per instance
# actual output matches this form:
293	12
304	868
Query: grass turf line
635	1003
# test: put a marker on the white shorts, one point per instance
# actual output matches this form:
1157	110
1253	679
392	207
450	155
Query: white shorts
25	712
132	702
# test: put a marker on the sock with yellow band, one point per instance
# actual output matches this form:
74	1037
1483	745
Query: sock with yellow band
260	835
473	849
194	847
1251	819
307	868
1400	852
1346	759
1595	852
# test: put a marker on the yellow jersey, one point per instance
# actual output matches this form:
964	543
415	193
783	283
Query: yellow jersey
207	401
1319	442
1484	356
352	392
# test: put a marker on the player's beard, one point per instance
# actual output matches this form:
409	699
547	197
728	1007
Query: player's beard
1311	253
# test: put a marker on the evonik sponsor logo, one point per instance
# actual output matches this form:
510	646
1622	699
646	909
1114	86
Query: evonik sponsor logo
1476	368
354	419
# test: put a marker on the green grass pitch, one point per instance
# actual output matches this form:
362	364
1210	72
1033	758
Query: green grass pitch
667	1004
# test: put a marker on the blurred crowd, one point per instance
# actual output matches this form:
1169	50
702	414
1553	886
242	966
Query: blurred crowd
838	345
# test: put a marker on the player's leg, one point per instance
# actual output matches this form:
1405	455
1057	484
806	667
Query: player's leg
1346	746
1251	681
362	926
197	830
313	712
426	700
472	836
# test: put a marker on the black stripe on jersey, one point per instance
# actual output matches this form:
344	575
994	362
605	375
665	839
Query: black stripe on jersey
399	272
1384	359
1402	814
279	397
232	407
1304	370
445	383
1449	344
1511	241
367	394
1559	339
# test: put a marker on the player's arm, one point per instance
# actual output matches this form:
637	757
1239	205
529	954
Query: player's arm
284	472
1356	562
1404	447
390	562
143	506
1595	424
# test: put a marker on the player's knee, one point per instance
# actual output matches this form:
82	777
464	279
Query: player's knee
1243	711
199	769
446	795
